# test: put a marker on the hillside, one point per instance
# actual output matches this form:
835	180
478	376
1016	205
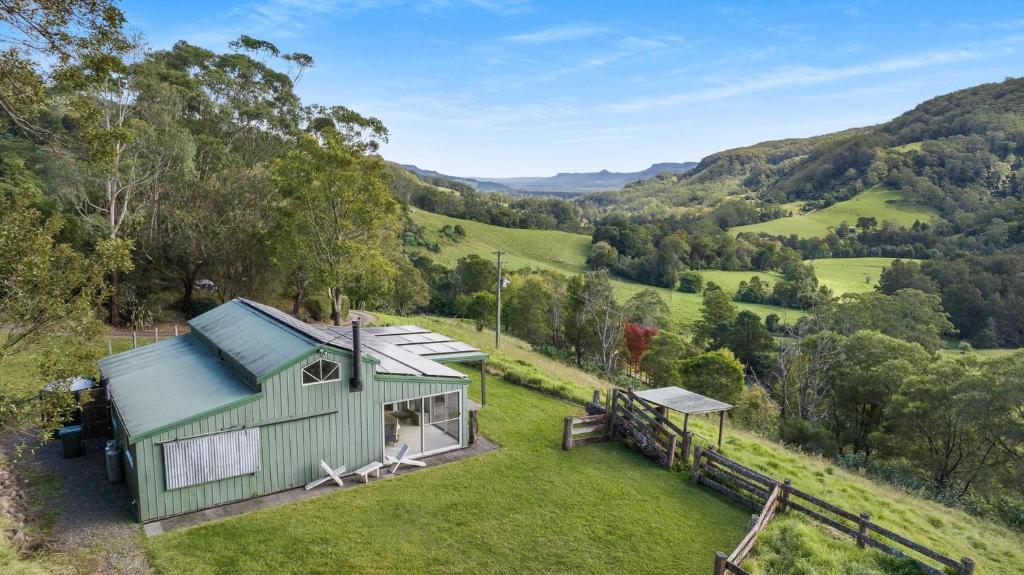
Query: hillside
567	253
955	159
879	202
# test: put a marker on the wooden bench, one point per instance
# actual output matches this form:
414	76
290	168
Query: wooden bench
369	468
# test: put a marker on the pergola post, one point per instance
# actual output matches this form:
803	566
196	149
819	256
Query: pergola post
483	383
721	423
686	422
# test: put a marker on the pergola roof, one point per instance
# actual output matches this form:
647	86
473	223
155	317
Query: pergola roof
683	401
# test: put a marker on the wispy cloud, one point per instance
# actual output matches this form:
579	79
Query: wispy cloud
277	19
791	76
564	33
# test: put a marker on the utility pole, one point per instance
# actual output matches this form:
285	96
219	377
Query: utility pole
497	316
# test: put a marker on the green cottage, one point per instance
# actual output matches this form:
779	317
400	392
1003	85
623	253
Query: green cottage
252	400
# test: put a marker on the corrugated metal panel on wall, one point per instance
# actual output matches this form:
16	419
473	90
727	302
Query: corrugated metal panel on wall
213	457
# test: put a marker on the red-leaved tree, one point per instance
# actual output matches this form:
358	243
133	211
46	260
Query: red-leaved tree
638	339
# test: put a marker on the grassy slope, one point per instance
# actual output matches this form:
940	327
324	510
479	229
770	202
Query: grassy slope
882	203
528	508
567	253
996	549
850	275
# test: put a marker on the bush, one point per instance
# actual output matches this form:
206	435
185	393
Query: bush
314	309
690	282
756	411
808	436
716	374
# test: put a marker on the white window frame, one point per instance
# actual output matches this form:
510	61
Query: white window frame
462	424
302	372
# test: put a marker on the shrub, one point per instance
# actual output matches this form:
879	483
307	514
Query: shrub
314	309
690	282
716	374
756	411
808	436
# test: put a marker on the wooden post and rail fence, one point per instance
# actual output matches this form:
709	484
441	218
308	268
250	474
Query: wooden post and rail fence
628	416
760	492
647	426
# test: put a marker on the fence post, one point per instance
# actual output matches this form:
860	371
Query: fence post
175	330
671	458
597	397
567	434
156	334
720	560
110	347
784	502
862	530
966	566
686	447
698	452
612	404
474	426
753	521
135	342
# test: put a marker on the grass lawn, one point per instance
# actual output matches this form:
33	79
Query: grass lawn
527	508
882	203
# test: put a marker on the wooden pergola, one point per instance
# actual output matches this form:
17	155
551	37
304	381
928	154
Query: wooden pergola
688	403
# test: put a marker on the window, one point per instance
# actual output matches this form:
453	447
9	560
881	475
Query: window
321	371
211	457
428	425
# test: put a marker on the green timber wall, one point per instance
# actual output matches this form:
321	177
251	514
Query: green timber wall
299	426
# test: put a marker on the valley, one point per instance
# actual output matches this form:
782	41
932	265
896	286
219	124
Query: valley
567	253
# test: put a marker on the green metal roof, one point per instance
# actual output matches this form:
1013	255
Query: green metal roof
168	382
260	344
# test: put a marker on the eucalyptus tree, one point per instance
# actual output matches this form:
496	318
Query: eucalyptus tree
45	43
335	197
135	141
241	113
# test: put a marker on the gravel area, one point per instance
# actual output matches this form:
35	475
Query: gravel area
76	513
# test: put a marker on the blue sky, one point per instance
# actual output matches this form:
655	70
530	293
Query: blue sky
523	88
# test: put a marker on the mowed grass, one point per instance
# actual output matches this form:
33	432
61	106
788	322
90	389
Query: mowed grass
879	202
527	508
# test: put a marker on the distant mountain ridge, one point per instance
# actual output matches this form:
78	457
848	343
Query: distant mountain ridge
563	182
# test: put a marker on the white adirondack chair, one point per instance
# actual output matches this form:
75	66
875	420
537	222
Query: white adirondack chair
403	459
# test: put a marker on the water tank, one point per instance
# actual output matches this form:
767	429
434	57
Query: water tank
115	473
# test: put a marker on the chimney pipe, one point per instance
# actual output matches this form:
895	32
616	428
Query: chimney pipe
356	382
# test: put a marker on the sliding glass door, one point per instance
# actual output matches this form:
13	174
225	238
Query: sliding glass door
427	425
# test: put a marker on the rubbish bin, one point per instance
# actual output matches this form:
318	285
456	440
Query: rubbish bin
71	440
115	473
